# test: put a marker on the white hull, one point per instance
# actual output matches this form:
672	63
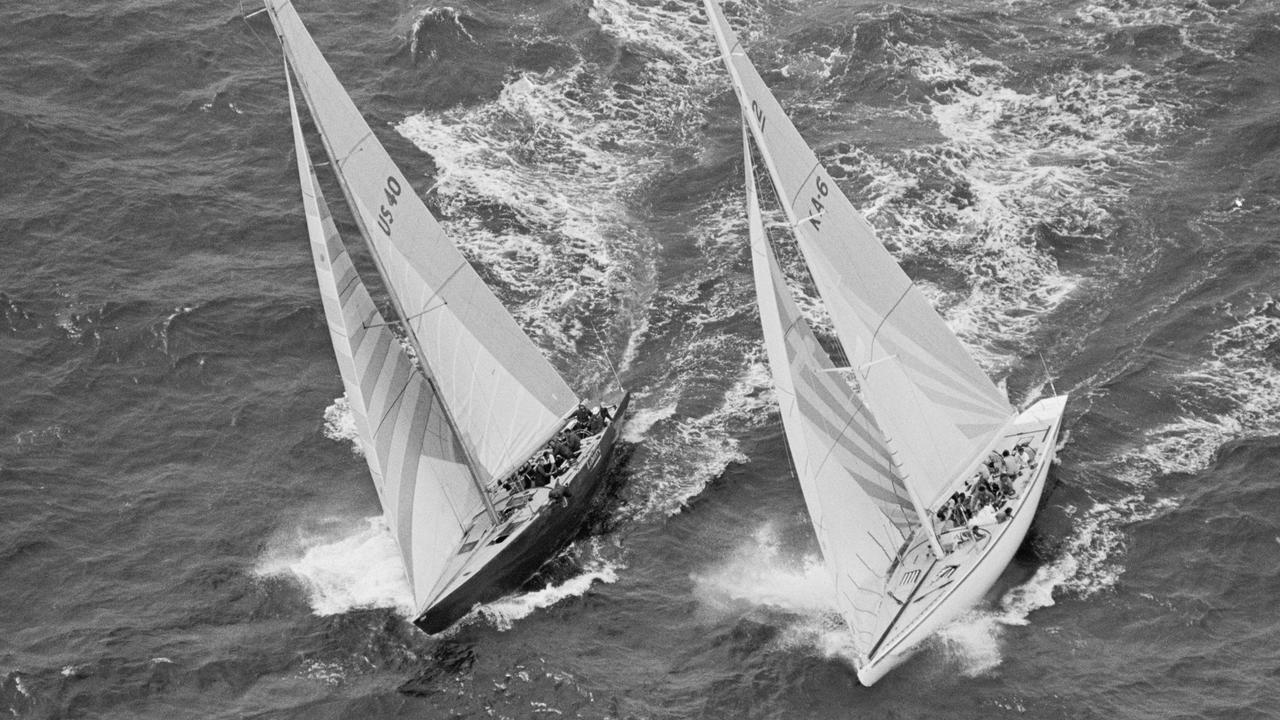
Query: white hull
948	587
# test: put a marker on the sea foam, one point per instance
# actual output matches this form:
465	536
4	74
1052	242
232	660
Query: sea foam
342	566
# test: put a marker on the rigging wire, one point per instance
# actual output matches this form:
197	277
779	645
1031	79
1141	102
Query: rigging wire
245	18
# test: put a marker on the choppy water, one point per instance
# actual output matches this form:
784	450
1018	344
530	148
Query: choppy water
185	530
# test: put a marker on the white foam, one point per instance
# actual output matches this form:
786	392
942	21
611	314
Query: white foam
535	186
1243	389
1234	394
342	566
713	383
664	31
759	575
1012	163
340	424
504	612
329	673
51	435
682	455
435	14
642	420
1199	24
972	642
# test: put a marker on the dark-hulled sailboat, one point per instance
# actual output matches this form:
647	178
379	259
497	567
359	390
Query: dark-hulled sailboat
456	427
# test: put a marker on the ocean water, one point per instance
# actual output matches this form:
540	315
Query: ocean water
1088	189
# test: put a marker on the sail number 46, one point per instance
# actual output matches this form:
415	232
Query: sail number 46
385	218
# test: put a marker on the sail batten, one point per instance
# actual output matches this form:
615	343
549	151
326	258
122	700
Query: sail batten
500	392
879	315
416	461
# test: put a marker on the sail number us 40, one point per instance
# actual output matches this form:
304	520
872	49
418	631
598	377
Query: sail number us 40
391	191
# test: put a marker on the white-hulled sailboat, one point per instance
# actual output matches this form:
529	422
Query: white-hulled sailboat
879	458
458	442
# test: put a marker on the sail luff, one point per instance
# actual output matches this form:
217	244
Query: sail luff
857	502
503	394
877	311
417	464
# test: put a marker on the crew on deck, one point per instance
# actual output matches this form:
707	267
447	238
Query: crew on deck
993	485
560	453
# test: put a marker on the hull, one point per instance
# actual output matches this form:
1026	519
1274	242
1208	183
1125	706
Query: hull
942	589
534	529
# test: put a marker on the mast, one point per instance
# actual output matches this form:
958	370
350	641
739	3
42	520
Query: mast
922	513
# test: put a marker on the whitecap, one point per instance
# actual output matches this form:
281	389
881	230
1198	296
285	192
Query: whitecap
504	612
342	566
340	425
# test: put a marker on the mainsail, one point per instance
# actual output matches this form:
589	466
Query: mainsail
937	407
859	507
417	463
501	394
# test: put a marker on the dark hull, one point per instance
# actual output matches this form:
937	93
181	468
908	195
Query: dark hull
554	528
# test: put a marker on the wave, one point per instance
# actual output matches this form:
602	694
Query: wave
794	591
342	566
504	612
340	425
712	383
428	20
1234	395
538	186
1196	26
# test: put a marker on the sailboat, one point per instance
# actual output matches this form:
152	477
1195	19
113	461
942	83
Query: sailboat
890	447
484	460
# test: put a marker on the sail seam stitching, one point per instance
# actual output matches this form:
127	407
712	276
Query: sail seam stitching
800	187
885	318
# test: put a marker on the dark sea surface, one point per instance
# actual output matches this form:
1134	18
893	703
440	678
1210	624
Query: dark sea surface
1088	188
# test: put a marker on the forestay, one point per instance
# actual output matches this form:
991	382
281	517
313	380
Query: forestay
931	399
418	467
502	394
858	505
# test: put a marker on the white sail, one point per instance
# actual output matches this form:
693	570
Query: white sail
860	510
425	487
938	407
503	396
